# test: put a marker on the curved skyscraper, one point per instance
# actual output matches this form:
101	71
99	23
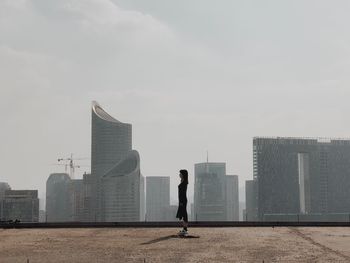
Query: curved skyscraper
110	141
115	190
121	190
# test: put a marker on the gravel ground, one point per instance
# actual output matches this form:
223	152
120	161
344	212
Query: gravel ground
261	244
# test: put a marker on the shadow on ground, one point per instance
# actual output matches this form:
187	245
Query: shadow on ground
167	238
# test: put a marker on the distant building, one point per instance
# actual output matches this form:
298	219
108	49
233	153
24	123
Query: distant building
157	198
64	198
301	176
210	192
3	188
114	191
76	200
90	186
192	212
242	209
232	198
251	210
142	198
58	203
116	188
122	190
21	205
42	216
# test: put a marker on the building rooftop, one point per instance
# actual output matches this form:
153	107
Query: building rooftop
102	113
236	244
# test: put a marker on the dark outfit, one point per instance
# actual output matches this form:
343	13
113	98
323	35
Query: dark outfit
181	211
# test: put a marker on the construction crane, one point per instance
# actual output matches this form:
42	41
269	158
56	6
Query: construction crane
70	161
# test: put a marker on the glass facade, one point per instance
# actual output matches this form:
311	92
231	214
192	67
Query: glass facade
297	176
114	190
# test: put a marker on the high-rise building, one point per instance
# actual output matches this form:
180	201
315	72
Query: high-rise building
76	200
58	207
301	176
3	188
64	198
22	205
142	198
157	198
210	192
122	190
251	210
115	185
90	186
111	141
232	198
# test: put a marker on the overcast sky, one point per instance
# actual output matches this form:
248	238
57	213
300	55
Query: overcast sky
189	75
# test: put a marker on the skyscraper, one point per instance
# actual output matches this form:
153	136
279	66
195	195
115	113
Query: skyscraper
116	186
251	211
157	198
3	188
210	192
301	176
111	141
58	198
76	200
122	191
232	198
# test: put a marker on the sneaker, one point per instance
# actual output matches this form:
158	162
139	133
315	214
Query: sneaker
183	232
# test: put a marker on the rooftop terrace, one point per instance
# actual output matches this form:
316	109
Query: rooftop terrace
225	244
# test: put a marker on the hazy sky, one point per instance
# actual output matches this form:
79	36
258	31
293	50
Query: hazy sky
190	76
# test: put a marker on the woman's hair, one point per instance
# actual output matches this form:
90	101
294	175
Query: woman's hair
184	174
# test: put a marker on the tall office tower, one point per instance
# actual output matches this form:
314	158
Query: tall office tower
251	210
76	200
110	142
64	198
58	207
142	198
122	191
210	192
90	184
3	188
302	176
116	192
22	205
157	198
232	198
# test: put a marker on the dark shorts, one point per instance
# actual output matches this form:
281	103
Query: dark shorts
182	212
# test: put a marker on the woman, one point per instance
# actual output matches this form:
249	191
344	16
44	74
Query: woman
181	211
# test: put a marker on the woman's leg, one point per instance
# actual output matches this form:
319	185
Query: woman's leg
185	222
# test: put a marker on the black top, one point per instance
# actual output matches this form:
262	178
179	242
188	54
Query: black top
182	192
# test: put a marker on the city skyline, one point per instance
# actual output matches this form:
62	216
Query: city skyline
188	83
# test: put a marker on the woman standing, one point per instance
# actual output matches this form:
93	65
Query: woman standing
181	211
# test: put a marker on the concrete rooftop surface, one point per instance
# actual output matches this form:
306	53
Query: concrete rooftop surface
236	244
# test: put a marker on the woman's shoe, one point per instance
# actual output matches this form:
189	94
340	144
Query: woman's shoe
183	232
